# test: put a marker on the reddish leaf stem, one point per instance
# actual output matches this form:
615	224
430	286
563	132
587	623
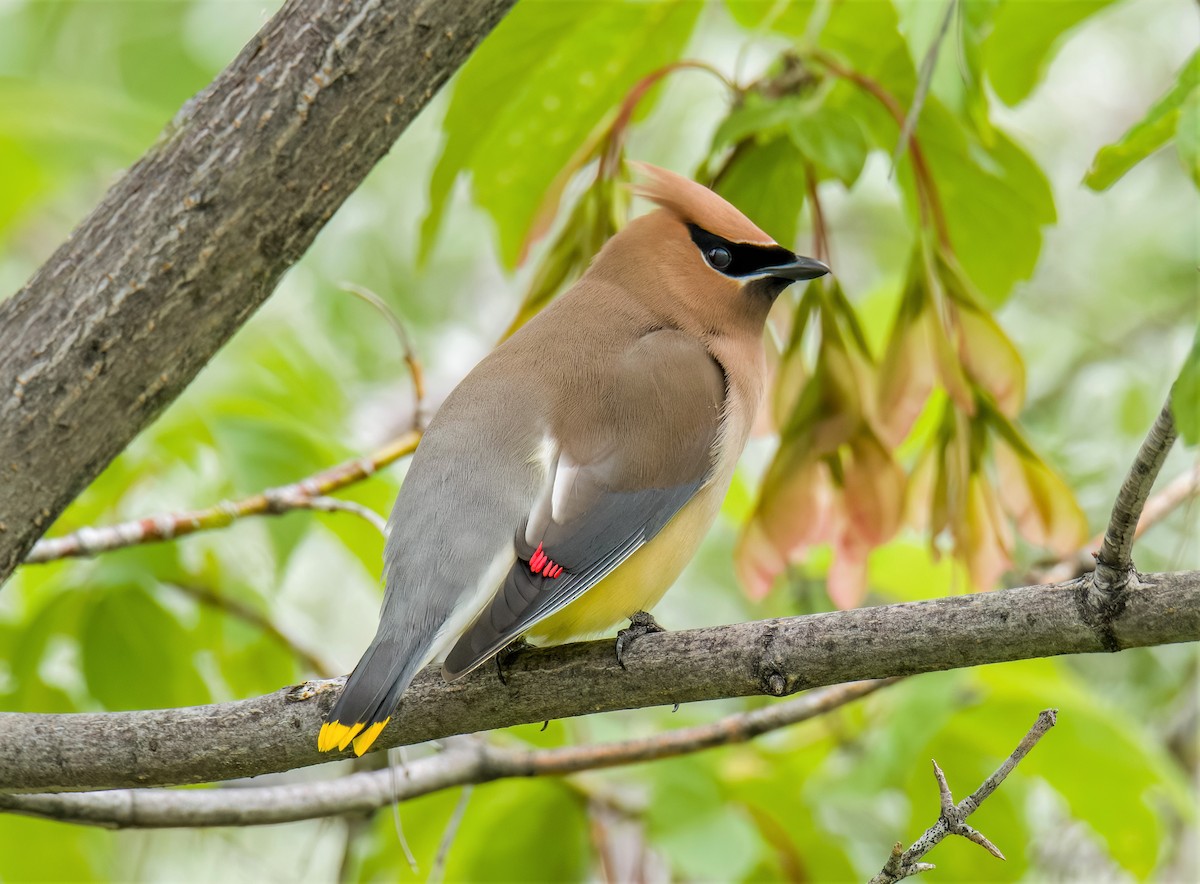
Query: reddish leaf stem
927	196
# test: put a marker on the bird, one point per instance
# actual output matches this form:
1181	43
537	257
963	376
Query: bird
564	484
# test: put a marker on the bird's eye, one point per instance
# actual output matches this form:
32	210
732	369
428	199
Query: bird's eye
719	257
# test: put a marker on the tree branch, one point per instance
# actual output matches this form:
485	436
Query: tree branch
85	751
1114	564
195	236
308	493
474	763
337	505
952	819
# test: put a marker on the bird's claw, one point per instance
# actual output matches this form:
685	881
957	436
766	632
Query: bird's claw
640	624
506	654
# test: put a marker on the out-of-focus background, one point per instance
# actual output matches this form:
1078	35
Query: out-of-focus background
1101	305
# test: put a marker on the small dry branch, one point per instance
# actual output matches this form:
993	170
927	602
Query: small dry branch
1114	564
309	493
953	818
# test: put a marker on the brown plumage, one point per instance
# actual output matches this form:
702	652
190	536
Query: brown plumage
569	478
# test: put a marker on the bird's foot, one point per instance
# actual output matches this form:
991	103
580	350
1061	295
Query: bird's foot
640	624
506	654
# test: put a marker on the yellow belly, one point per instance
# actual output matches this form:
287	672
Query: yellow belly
641	580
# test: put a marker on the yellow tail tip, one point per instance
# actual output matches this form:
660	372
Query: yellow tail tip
335	735
363	741
349	735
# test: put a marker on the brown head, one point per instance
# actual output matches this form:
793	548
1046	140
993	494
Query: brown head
698	261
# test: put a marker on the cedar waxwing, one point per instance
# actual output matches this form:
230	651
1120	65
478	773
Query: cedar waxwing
613	418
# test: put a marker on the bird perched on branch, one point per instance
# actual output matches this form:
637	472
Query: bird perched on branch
568	479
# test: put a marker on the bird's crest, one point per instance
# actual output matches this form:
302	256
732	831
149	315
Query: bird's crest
695	204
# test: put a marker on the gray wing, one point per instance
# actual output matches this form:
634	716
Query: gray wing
624	468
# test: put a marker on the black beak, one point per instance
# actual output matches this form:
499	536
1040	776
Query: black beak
801	268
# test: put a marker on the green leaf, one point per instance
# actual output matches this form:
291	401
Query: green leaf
917	712
24	180
381	855
1185	396
833	140
534	90
1143	787
721	846
1025	38
50	851
766	182
76	117
58	616
250	661
702	835
1187	136
789	17
136	655
995	198
758	118
866	33
906	571
537	827
1154	130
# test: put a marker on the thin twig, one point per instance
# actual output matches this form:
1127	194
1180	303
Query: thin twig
1178	491
1114	564
358	825
416	372
925	78
476	763
337	505
638	92
241	611
928	200
438	868
397	760
272	502
820	231
952	819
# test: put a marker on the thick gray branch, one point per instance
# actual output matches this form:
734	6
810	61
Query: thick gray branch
83	751
475	762
195	236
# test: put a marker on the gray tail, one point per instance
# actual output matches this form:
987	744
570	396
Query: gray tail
369	698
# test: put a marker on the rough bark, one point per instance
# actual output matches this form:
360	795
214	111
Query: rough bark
464	761
1114	564
83	751
196	235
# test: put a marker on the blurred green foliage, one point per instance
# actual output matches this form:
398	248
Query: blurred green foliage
1096	293
1172	116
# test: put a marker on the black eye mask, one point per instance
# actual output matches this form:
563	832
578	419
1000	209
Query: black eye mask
737	259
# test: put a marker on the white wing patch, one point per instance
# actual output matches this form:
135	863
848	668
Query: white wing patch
547	457
563	491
